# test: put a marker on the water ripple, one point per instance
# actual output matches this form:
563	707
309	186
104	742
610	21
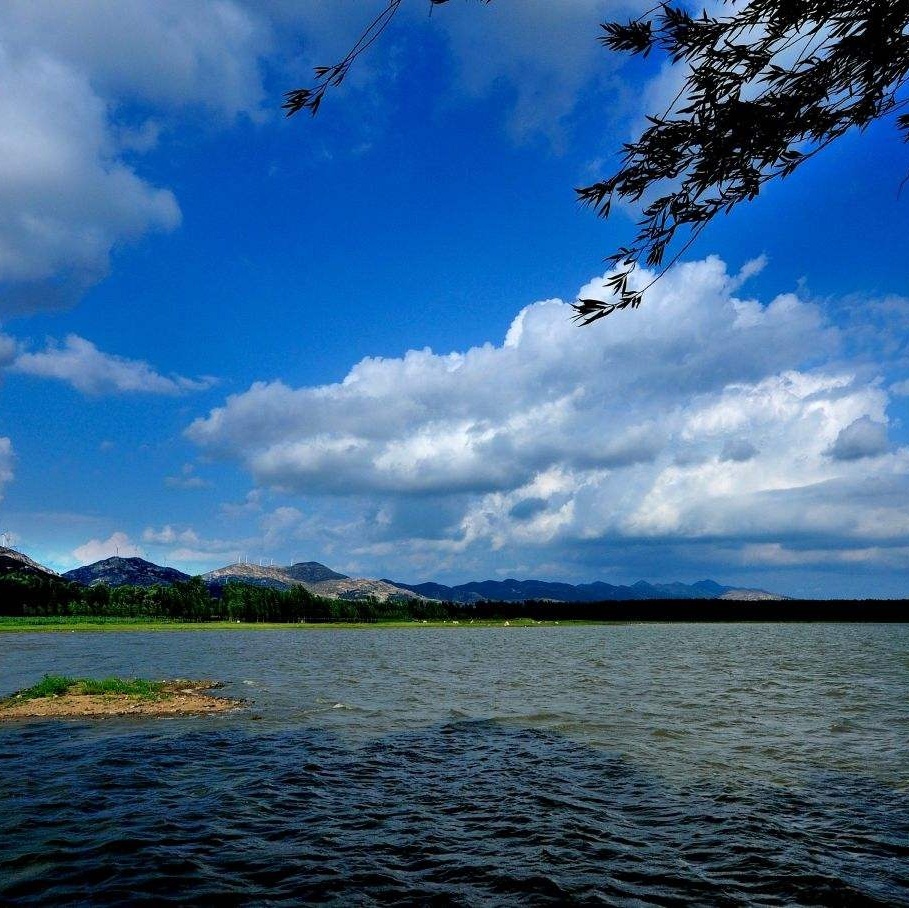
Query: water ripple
497	814
665	784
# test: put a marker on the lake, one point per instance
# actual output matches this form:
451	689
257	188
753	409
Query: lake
745	764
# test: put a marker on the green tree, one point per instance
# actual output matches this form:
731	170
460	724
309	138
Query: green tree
765	88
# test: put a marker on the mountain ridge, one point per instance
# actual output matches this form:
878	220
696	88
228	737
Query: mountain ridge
13	561
323	581
511	590
117	571
329	583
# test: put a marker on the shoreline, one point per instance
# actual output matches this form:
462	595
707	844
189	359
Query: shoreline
130	625
113	625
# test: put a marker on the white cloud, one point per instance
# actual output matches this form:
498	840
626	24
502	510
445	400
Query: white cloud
774	554
6	461
165	52
691	418
117	543
65	196
188	550
80	363
71	182
68	193
168	535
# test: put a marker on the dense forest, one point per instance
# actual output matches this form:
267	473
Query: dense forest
29	596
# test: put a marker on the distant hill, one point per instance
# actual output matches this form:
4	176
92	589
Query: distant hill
323	581
313	572
317	578
276	578
125	572
361	588
13	562
521	590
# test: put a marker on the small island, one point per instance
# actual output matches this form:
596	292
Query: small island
60	697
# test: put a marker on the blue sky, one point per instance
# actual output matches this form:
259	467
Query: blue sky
347	339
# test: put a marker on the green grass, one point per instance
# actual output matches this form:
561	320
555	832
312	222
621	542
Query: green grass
58	685
80	623
86	623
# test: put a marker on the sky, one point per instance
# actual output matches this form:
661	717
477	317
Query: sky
347	338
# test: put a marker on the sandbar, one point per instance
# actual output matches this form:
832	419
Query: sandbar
175	698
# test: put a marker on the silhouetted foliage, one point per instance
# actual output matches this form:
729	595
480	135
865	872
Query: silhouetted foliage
331	76
26	596
766	87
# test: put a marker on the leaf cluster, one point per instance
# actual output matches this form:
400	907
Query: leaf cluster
767	87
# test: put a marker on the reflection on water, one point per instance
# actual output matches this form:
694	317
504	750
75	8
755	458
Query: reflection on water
652	764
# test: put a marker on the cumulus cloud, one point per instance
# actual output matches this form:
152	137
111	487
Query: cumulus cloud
71	181
168	535
70	190
703	414
80	363
862	438
117	544
165	52
495	416
66	198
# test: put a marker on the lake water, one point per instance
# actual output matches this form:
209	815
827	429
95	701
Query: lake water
631	764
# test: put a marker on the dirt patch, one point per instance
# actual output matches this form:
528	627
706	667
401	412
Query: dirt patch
176	698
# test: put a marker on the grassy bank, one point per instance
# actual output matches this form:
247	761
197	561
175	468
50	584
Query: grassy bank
82	624
60	685
62	697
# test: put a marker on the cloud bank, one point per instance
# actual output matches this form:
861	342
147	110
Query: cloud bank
703	416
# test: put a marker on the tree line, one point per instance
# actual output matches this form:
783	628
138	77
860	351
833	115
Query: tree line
28	596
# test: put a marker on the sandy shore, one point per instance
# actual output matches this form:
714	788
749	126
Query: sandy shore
178	698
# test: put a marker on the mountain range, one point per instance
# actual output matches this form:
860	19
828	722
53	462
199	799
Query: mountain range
521	590
323	581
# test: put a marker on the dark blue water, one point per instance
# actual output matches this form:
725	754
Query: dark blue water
729	765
